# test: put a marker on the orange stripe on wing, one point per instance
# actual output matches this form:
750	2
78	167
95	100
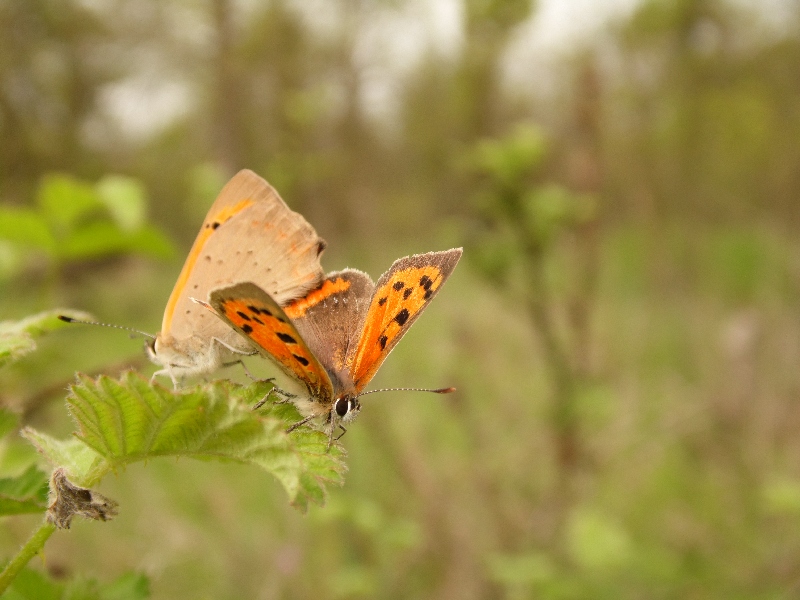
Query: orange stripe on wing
210	225
299	307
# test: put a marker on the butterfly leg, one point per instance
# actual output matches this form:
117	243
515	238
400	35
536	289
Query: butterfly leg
299	423
244	367
287	396
252	352
332	439
166	371
237	351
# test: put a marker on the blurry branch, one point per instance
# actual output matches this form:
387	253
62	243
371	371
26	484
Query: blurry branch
520	227
228	105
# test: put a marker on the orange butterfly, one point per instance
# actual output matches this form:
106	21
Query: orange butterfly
334	339
248	234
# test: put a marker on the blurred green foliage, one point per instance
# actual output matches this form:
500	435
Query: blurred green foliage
17	337
74	221
632	199
34	584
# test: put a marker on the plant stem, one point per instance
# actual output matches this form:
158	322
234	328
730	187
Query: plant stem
31	548
564	418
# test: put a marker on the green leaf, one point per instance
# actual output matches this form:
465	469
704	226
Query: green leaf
509	160
17	337
65	199
151	242
130	586
552	207
26	227
128	420
103	238
34	585
125	199
95	239
31	584
26	493
84	465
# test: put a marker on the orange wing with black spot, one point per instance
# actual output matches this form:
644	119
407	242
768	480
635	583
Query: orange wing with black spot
330	320
255	315
401	294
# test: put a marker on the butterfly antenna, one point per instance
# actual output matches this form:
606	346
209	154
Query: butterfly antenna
407	389
67	319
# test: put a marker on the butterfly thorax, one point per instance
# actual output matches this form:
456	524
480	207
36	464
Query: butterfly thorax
188	357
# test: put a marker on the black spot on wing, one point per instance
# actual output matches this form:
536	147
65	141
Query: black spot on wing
286	338
425	282
382	301
215	224
301	359
382	341
245	316
402	317
407	293
428	294
398	285
247	329
256	310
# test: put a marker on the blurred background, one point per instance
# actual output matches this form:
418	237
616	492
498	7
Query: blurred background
623	330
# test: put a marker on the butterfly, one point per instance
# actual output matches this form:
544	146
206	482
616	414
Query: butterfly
335	338
249	234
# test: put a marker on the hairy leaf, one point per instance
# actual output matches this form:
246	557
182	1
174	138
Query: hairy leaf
128	420
84	465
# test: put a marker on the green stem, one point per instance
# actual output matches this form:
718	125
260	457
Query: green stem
31	548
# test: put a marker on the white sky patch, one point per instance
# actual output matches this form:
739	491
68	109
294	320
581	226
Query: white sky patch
143	106
393	44
778	17
556	30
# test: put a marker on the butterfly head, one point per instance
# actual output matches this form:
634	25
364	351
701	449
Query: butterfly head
345	409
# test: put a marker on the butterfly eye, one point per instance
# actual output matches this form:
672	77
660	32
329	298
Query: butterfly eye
342	406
